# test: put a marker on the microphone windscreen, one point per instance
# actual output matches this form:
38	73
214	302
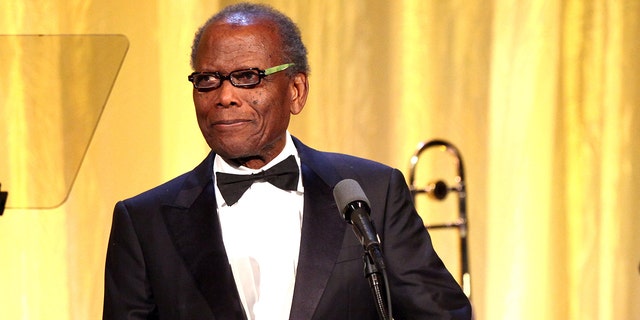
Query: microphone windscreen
346	192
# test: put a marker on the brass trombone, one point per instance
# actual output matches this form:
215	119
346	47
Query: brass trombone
439	190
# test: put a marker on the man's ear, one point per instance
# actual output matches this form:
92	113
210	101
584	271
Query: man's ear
299	90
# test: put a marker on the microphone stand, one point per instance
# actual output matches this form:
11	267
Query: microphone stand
374	271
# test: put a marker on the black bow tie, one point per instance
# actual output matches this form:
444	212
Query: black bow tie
283	175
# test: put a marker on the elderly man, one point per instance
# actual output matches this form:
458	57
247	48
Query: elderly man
253	232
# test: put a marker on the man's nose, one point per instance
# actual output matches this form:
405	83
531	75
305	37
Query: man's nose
227	95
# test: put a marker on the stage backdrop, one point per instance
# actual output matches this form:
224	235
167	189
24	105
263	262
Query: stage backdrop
540	96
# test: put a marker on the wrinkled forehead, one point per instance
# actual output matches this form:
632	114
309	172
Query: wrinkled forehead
239	44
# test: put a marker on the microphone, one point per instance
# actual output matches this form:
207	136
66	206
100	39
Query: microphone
354	208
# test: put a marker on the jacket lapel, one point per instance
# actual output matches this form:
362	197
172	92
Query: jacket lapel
322	233
195	230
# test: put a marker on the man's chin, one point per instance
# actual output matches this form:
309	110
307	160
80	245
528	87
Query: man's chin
236	157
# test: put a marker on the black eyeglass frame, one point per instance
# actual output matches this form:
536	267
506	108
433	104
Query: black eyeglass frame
261	74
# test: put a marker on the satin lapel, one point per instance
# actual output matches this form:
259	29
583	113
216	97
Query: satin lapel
195	230
322	235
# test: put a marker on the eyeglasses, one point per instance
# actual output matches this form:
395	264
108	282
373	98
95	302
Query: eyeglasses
244	78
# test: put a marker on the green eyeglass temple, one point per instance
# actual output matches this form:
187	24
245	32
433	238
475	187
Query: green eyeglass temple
279	68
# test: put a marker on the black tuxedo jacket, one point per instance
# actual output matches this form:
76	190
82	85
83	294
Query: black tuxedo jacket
166	258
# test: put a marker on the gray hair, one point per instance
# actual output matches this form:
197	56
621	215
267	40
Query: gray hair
292	47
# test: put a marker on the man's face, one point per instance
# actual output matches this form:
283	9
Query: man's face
246	123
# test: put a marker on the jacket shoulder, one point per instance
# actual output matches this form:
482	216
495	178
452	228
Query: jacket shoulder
159	194
167	192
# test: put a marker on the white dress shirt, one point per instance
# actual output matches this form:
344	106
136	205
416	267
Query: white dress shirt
261	234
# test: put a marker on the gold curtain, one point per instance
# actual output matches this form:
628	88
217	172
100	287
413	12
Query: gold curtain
540	96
